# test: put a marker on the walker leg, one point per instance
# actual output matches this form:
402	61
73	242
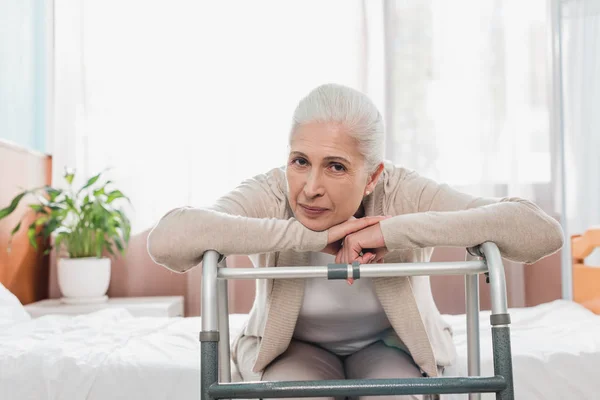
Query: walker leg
224	352
472	308
500	320
208	367
209	336
503	360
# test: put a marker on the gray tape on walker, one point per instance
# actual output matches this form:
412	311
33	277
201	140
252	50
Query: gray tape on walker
340	271
355	270
337	271
211	336
499	319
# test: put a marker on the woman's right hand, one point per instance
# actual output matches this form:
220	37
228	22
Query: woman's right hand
337	233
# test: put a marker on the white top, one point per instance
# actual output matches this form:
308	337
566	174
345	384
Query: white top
339	317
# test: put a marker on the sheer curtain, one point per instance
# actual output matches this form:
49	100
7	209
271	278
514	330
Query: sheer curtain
467	102
468	94
581	97
184	99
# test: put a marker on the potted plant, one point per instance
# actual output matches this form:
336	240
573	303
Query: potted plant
87	228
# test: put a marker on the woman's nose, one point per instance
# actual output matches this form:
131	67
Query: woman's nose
313	186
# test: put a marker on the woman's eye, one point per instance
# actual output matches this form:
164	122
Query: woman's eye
301	162
338	167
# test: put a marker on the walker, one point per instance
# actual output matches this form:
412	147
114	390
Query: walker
214	336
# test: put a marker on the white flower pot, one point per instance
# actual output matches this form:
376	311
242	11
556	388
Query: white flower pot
83	280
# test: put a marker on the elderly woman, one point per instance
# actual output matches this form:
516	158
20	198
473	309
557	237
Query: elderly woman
336	200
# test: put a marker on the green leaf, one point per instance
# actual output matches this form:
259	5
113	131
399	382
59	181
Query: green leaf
53	193
12	234
90	182
70	203
31	233
51	226
13	205
115	194
69	175
110	249
38	208
98	192
127	233
119	245
125	225
40	221
16	228
99	242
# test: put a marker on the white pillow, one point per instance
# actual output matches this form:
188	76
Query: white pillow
11	309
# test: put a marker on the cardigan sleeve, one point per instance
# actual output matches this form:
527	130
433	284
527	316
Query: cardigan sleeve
246	221
443	216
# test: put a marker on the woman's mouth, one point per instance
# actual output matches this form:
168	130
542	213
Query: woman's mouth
313	211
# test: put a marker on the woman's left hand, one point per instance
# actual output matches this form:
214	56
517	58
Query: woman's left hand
368	241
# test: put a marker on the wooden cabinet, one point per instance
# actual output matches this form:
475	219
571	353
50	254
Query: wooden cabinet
23	270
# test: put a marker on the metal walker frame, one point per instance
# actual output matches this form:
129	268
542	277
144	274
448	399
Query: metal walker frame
483	259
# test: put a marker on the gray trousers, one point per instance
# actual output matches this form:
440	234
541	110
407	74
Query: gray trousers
303	361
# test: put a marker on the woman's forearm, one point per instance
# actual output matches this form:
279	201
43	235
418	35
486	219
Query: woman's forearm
521	230
182	236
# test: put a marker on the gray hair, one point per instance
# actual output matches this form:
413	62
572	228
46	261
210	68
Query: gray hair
351	108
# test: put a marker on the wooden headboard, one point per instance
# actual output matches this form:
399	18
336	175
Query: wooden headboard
23	271
586	278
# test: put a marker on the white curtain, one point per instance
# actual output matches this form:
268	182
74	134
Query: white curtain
466	97
581	99
467	94
185	99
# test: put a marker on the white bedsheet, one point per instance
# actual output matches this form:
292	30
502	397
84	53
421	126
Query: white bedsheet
555	348
111	355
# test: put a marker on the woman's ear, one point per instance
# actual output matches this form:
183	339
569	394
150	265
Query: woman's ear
373	178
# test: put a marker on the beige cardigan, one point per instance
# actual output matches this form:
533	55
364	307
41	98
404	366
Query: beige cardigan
255	218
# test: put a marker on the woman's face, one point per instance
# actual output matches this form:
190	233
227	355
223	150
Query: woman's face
327	176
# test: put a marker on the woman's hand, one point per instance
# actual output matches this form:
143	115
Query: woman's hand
344	229
338	234
365	246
